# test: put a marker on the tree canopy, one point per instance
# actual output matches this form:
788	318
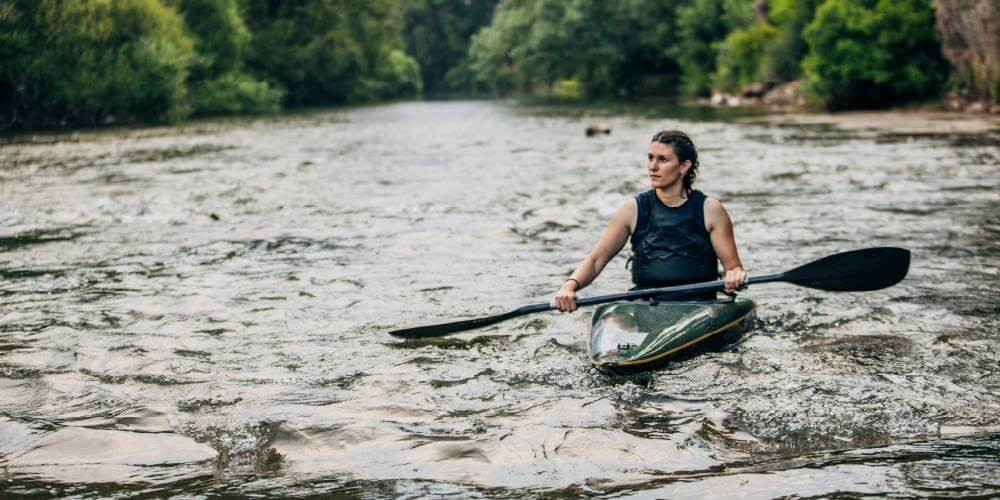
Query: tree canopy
92	62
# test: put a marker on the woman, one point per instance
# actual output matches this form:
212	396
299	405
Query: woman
678	235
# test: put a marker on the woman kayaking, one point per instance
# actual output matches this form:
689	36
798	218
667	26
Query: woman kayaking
678	234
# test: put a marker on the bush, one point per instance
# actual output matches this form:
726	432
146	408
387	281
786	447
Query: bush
609	48
783	58
741	57
236	93
401	75
330	51
88	62
702	25
873	53
219	82
437	34
221	36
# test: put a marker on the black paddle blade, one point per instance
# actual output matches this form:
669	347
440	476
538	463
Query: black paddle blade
446	328
420	332
854	271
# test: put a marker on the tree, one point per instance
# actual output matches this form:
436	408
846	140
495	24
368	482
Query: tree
873	53
331	51
783	58
89	62
741	57
219	82
438	33
607	47
702	26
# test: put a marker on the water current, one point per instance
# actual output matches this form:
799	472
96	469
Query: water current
203	310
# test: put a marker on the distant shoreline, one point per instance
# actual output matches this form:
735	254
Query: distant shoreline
900	121
897	121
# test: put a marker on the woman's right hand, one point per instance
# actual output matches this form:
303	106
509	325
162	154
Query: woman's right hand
565	298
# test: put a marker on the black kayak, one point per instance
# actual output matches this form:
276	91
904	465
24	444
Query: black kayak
628	337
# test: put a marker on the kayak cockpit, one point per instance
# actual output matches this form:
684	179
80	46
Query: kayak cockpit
632	336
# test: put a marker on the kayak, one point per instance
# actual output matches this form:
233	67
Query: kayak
634	336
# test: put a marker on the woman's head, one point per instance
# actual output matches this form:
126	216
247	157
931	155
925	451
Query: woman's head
684	150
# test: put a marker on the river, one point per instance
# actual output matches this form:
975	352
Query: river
202	310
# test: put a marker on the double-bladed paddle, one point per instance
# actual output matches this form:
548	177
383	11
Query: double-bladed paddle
854	271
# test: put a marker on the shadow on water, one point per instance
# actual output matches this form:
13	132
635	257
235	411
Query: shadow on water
40	237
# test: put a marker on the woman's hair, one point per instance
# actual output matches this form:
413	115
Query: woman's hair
684	149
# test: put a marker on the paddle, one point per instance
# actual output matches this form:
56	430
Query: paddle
854	271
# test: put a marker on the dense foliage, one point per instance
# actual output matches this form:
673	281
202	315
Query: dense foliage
741	57
437	34
90	61
331	51
701	25
84	62
219	81
783	58
606	47
851	53
87	62
873	53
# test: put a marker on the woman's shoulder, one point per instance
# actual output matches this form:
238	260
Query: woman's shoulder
631	203
715	213
706	199
644	195
639	200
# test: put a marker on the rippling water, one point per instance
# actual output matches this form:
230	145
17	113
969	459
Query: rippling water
203	309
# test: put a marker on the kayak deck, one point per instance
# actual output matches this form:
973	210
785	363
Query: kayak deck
636	336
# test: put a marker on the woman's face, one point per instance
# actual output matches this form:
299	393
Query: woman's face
663	167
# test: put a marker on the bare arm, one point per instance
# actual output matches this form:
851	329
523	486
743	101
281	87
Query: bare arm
720	232
610	243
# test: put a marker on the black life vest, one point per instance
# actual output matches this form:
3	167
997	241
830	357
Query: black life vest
671	246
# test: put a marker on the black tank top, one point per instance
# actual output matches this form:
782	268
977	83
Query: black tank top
670	246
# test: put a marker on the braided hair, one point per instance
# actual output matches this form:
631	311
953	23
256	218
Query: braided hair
684	149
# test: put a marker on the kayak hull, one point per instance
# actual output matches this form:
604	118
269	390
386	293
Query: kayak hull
627	337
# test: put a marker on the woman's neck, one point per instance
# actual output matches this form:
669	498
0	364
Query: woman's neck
673	196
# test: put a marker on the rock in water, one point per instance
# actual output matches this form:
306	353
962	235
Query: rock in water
594	129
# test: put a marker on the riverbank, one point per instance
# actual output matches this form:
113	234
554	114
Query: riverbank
893	121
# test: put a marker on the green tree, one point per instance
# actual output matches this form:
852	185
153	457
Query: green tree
607	47
873	53
19	84
494	51
331	51
438	33
783	58
219	81
741	57
88	62
702	27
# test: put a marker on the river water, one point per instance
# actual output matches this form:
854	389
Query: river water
202	310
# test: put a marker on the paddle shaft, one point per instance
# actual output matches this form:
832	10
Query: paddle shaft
856	270
470	324
693	289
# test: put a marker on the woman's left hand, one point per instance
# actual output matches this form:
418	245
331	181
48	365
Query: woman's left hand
735	279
